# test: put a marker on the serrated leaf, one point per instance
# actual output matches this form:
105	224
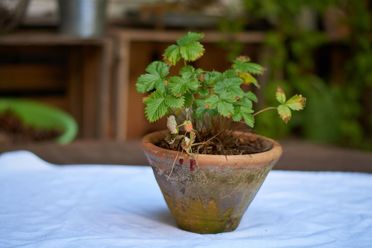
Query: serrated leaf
190	37
154	78
251	96
248	78
296	102
212	101
177	85
237	117
211	78
174	102
172	55
192	51
284	113
146	83
230	85
280	95
248	119
241	65
189	98
247	103
156	106
225	109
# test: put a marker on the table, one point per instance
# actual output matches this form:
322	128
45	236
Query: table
42	205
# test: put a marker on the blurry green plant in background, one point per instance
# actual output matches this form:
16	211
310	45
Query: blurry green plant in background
337	112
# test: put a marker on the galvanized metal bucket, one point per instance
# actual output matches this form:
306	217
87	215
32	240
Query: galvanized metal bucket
82	18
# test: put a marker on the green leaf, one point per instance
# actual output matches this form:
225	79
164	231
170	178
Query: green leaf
178	86
251	96
190	37
154	78
192	52
225	109
174	102
172	55
189	98
248	119
280	95
242	64
211	78
284	113
156	106
158	68
237	116
146	83
296	102
212	101
231	85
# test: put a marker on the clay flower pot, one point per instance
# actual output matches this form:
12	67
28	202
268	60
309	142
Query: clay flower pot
211	194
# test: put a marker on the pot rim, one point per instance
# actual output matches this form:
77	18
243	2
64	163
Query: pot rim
265	157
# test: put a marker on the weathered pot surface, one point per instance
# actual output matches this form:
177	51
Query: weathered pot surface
209	193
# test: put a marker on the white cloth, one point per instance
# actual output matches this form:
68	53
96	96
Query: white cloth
42	205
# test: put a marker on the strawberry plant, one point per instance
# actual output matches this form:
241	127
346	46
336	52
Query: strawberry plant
194	98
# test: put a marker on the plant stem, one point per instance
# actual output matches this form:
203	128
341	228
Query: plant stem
264	110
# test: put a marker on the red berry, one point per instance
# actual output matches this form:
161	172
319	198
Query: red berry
180	161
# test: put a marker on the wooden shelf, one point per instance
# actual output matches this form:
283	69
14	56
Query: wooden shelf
79	68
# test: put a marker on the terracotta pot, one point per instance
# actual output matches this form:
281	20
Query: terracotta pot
211	194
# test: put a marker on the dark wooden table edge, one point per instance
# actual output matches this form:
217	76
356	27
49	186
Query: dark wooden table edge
297	155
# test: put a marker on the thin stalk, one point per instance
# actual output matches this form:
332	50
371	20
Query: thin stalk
264	110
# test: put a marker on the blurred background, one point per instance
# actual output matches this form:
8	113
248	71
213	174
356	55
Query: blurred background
81	58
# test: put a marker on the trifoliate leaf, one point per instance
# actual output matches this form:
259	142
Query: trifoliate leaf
284	113
280	95
296	102
241	64
225	109
154	78
188	48
172	55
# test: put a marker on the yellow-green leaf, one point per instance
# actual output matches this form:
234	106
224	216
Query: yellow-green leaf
296	102
280	95
284	113
248	78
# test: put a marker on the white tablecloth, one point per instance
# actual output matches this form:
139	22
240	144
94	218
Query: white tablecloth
42	205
